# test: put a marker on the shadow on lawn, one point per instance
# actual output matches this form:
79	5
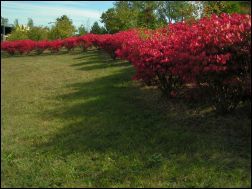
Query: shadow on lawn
92	61
45	53
33	54
111	114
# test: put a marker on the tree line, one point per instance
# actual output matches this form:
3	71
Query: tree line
62	28
130	14
154	14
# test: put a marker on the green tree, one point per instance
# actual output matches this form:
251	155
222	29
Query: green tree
146	16
16	24
103	30
122	17
30	23
218	7
82	30
4	21
96	29
18	34
127	13
164	12
154	14
63	28
176	11
245	7
37	33
111	20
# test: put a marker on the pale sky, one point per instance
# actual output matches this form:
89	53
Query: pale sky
43	12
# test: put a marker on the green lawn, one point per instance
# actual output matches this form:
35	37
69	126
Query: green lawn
78	120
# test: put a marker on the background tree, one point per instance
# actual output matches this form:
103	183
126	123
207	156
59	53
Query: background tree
30	23
175	11
4	21
111	21
18	34
96	29
63	28
155	14
82	30
16	24
127	13
146	13
218	7
164	12
121	17
37	33
245	7
183	10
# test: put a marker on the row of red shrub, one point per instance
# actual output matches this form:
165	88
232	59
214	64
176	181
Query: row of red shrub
212	54
107	42
26	46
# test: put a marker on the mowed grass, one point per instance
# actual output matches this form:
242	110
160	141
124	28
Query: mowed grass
78	120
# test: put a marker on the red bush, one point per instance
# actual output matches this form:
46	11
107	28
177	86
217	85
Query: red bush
84	42
70	43
8	47
54	46
41	46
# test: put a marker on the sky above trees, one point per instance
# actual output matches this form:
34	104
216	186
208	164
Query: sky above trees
43	12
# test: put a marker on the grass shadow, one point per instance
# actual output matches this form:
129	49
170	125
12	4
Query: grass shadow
111	114
96	59
103	65
33	54
46	53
